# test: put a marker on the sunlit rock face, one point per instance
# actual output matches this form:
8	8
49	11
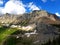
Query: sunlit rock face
7	18
40	13
33	17
43	16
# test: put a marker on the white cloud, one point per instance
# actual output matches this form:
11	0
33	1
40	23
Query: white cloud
17	7
1	2
57	14
14	7
33	6
44	1
1	10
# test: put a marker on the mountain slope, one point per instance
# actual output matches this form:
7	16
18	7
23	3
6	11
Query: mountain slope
43	31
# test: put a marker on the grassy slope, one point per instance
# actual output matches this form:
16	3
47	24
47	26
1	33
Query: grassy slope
5	32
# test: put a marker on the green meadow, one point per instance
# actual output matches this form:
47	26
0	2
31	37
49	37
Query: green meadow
5	32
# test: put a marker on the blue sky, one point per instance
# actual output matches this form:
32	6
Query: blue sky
52	6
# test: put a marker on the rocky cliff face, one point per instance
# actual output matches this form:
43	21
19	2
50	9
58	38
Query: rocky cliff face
40	35
33	17
45	17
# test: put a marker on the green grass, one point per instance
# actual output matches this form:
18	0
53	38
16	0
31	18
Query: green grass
5	32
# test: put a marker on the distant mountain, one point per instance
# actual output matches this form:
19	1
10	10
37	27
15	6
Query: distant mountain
34	16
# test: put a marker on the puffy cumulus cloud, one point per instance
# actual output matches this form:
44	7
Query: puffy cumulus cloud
57	14
44	1
33	6
17	7
14	7
1	10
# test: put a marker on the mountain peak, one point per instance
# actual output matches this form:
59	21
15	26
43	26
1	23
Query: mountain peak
34	16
